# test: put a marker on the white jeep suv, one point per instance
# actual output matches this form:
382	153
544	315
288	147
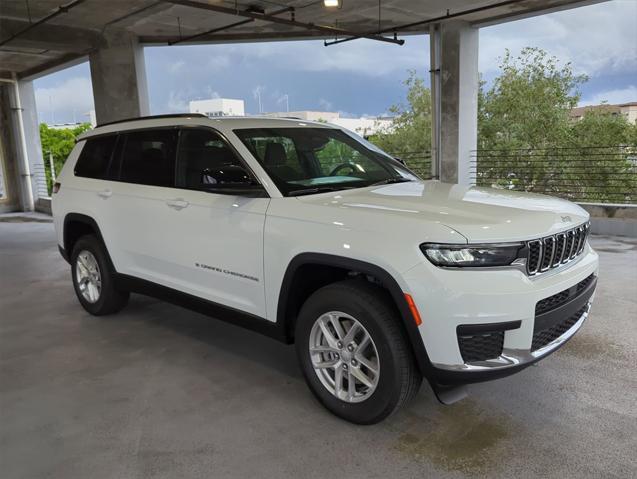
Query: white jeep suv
307	233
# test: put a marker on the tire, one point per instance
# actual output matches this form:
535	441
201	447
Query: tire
97	300
398	378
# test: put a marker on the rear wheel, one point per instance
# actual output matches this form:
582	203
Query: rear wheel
93	279
353	352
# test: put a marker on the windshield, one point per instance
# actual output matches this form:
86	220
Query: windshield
314	160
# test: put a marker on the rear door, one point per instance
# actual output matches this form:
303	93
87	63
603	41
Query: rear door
138	226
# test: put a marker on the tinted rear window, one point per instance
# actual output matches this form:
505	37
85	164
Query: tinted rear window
95	157
148	157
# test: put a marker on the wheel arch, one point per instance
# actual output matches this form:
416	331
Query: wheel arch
288	305
77	225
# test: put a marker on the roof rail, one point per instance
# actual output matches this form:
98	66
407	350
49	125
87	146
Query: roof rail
154	117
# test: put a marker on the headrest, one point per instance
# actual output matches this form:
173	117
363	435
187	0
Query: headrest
275	155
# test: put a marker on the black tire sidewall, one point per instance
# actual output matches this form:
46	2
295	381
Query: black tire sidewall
387	395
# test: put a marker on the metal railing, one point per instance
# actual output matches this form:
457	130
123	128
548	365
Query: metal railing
39	181
417	161
581	174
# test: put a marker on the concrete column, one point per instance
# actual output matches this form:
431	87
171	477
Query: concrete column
24	174
10	198
458	101
33	144
118	75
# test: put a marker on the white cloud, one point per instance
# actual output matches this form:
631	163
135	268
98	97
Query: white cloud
218	62
325	104
620	95
70	98
177	67
178	102
212	93
361	56
597	39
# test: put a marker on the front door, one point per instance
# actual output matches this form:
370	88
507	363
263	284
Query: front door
216	249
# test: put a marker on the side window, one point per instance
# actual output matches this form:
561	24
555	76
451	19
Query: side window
148	157
206	162
95	157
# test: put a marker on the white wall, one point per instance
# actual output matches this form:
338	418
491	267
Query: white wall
218	107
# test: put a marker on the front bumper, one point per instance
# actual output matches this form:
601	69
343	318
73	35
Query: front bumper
451	302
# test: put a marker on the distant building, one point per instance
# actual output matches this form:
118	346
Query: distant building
70	126
628	110
216	107
64	126
326	116
364	126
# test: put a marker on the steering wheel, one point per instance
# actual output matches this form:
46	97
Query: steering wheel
342	166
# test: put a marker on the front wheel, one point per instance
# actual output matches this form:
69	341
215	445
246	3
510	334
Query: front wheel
353	353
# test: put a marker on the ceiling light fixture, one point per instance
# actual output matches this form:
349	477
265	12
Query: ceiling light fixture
332	3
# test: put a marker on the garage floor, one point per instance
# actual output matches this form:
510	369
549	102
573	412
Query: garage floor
158	391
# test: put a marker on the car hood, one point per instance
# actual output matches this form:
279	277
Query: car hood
478	214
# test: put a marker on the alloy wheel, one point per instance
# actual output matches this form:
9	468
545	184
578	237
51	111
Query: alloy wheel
344	357
88	276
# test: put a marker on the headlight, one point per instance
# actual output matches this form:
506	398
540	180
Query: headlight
454	255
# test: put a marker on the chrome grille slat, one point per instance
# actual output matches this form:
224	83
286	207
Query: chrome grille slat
549	253
560	247
571	244
552	251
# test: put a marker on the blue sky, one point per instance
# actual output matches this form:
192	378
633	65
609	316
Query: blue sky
360	77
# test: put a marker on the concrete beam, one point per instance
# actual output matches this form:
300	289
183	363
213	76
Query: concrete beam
48	36
457	101
118	75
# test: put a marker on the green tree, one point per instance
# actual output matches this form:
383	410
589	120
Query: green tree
609	144
528	103
526	136
527	139
410	136
58	143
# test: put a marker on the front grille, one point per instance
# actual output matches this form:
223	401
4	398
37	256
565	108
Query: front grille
557	300
546	253
480	347
545	336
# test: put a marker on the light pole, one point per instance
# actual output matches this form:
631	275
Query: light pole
52	166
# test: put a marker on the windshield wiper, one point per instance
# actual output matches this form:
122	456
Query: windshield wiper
319	189
390	181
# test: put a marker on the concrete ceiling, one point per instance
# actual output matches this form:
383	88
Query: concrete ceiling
72	35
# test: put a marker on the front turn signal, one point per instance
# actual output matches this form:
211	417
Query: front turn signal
414	310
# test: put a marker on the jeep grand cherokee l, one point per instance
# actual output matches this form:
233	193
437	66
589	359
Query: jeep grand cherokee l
309	234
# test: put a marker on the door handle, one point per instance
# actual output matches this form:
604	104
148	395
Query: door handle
177	203
105	193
